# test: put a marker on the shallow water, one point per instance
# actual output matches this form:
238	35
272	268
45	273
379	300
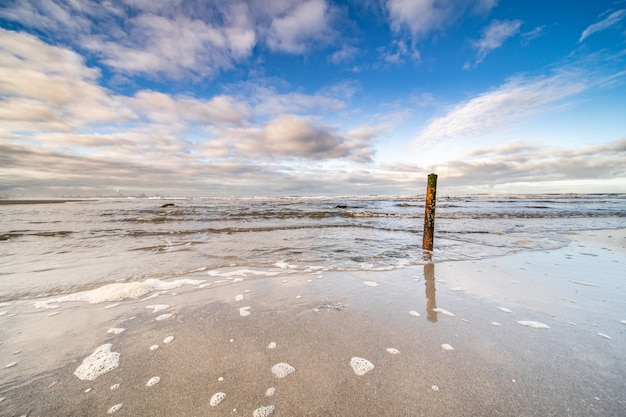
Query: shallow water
50	249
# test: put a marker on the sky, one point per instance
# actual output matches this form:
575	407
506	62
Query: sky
311	97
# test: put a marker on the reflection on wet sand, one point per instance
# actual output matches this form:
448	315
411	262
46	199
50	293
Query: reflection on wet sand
431	301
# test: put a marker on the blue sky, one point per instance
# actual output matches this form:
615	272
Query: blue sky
298	97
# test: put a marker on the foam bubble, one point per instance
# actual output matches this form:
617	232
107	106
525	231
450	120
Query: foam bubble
371	283
153	381
101	361
415	313
434	388
118	291
164	316
458	289
168	339
158	307
115	330
444	312
244	311
115	408
495	323
239	297
154	347
284	265
11	364
272	345
264	411
282	369
54	314
606	336
238	280
533	324
217	398
361	366
114	387
393	351
506	310
446	346
270	392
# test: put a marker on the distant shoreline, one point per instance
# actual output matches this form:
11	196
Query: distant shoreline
12	202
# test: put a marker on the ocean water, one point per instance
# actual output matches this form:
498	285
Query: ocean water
51	249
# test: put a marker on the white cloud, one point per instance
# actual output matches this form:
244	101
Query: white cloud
345	54
516	99
178	38
421	17
611	20
304	22
493	36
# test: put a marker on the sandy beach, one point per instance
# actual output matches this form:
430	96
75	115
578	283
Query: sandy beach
530	334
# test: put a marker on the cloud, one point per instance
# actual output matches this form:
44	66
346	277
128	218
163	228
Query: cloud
345	54
493	36
528	37
611	20
398	52
303	22
518	98
293	136
178	38
421	17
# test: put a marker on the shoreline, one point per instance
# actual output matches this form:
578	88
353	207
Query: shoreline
319	321
38	201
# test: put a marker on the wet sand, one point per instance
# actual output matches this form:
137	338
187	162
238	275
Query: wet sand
320	321
14	202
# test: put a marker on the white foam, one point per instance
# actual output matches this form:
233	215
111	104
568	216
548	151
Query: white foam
361	366
264	411
237	280
153	381
586	284
298	297
434	388
270	392
458	289
244	311
272	345
164	316
495	323
3	313
371	283
533	324
444	312
284	265
168	339
623	321
158	307
118	292
112	306
415	313
393	351
115	408
115	330
154	347
217	398
506	310
282	369
239	297
606	336
114	387
101	361
54	314
446	346
11	364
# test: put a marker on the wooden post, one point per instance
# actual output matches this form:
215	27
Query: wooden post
429	216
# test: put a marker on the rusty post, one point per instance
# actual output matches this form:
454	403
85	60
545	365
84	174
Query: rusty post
429	216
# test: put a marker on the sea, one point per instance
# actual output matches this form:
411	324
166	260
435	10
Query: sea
64	248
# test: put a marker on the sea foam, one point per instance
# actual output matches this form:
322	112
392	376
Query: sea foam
361	366
101	361
217	398
264	411
533	324
118	292
282	369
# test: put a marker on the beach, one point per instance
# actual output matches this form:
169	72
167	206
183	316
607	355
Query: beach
536	333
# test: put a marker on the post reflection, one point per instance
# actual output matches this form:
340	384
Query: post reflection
429	278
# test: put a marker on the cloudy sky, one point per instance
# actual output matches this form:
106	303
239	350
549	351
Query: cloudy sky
298	97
